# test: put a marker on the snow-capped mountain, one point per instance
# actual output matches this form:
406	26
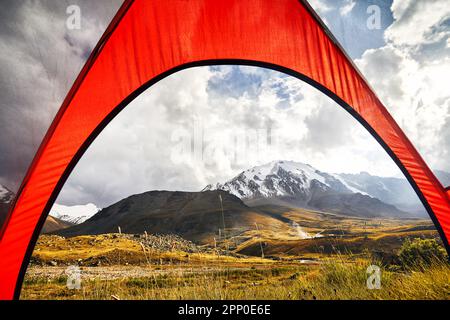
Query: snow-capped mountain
284	179
395	191
74	214
301	185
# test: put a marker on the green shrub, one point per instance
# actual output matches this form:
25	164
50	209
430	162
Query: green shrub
421	253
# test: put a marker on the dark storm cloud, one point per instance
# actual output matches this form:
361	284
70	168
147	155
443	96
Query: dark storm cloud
8	17
39	60
411	72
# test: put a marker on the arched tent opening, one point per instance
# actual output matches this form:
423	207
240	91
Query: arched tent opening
149	171
218	35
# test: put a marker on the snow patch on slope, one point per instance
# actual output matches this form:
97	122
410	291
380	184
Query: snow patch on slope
74	214
348	186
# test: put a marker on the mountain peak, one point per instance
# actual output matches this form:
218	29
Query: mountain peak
279	179
301	185
273	166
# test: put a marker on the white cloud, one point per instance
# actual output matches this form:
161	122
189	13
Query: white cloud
418	22
411	75
138	151
321	6
347	7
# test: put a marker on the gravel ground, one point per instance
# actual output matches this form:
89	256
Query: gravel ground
119	272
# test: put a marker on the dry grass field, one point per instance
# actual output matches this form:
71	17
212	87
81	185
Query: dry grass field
245	264
334	279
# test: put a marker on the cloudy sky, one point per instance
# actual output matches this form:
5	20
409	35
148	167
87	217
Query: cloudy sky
205	125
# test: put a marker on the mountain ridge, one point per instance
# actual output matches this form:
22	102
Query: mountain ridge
304	186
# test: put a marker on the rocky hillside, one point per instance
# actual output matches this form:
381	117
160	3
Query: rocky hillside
196	216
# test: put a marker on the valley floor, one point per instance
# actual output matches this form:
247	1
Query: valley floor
120	266
334	279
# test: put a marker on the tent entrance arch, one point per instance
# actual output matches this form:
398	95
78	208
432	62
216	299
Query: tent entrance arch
149	40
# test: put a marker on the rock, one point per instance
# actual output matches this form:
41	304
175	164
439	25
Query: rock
294	276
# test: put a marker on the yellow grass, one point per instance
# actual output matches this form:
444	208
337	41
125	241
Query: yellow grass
333	280
123	251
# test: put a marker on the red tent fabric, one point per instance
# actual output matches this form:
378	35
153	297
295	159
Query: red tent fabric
148	40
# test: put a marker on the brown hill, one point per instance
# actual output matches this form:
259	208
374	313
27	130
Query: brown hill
53	224
195	216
